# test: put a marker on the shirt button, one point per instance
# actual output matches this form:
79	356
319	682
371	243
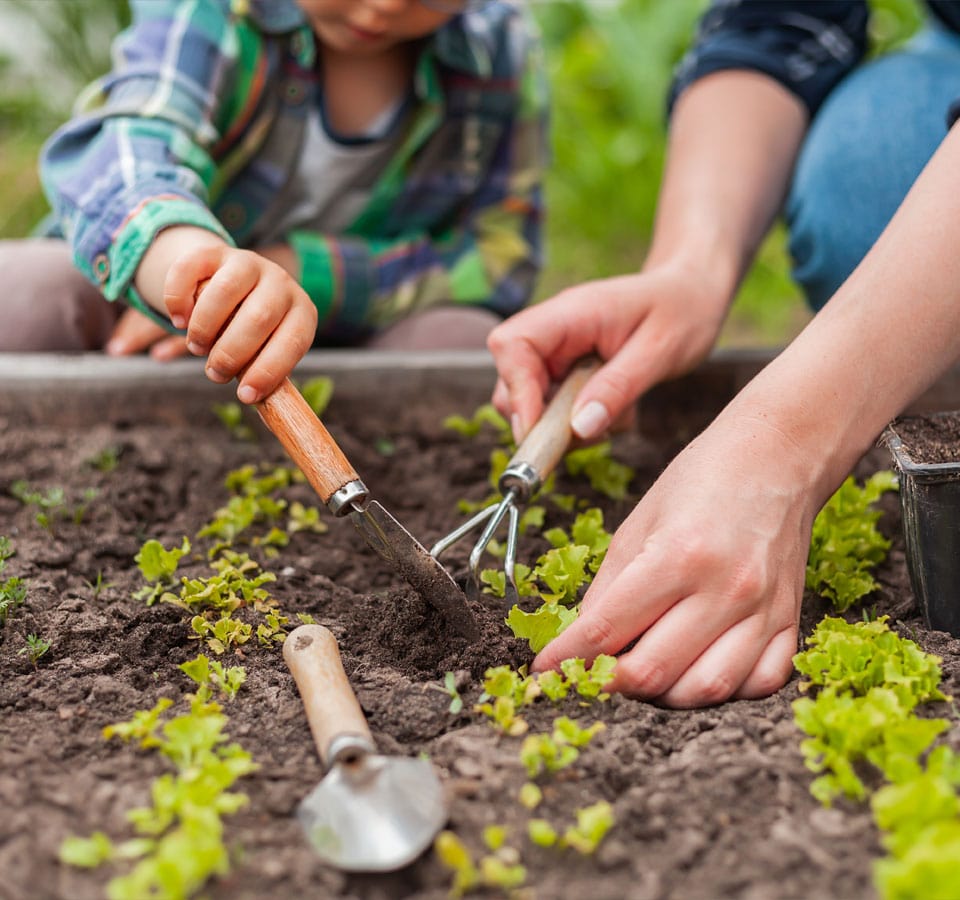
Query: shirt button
101	267
233	215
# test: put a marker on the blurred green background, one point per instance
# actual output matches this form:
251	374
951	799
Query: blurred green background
610	64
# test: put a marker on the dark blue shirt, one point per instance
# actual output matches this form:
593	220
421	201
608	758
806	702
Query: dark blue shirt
806	45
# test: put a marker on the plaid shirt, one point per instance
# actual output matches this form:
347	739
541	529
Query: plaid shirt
202	121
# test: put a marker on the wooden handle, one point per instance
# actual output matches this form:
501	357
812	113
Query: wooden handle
305	439
548	440
313	657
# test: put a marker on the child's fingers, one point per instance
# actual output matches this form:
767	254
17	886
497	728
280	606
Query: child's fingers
286	346
226	290
183	277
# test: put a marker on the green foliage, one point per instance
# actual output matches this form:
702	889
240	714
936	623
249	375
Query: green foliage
605	474
98	585
540	627
106	460
450	686
232	416
318	392
180	836
593	823
51	504
552	752
845	544
13	591
210	675
498	870
863	655
34	648
158	566
485	415
222	634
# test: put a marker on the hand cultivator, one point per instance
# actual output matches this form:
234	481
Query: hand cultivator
534	460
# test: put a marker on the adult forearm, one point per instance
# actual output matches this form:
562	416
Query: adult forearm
734	136
888	333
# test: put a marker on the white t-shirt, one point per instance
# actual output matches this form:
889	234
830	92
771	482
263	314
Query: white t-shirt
335	177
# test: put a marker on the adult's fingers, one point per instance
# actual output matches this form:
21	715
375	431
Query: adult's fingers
720	670
774	667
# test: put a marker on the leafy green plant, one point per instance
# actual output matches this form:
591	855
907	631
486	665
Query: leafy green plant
450	686
318	392
34	649
222	634
845	545
179	844
106	460
210	675
13	591
605	474
232	417
552	752
98	585
500	869
158	566
485	415
51	503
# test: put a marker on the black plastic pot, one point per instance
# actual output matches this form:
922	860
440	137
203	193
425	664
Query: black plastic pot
930	503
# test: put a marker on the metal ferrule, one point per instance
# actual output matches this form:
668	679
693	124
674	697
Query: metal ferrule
353	495
348	748
521	478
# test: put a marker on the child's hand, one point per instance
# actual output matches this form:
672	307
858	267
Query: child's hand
134	332
245	313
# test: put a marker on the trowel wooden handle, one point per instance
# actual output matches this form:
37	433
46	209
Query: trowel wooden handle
548	440
313	657
305	439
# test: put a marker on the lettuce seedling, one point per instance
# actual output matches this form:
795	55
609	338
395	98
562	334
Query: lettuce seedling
542	626
222	634
590	683
553	752
605	474
484	415
318	392
231	416
158	566
211	674
845	545
593	823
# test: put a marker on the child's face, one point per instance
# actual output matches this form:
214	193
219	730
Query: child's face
370	26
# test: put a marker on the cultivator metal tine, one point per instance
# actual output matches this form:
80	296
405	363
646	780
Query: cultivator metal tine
511	594
492	516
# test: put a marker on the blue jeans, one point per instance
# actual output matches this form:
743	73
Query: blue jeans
864	149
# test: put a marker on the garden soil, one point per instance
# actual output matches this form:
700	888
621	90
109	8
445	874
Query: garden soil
709	803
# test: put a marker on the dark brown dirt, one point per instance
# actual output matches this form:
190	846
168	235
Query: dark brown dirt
930	439
709	803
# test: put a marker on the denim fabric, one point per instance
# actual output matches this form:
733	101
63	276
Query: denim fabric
864	149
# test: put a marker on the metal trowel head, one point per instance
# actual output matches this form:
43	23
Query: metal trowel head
370	813
374	813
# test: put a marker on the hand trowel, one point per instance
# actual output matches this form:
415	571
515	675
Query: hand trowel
370	812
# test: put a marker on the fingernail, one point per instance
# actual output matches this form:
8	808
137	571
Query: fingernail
515	427
115	347
178	321
247	394
590	420
216	375
195	348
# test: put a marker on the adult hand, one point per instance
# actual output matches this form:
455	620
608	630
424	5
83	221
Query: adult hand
646	327
707	572
251	316
135	332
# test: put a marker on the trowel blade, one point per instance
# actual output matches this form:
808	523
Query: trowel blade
430	579
377	815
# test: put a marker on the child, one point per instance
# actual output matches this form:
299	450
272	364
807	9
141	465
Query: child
272	175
